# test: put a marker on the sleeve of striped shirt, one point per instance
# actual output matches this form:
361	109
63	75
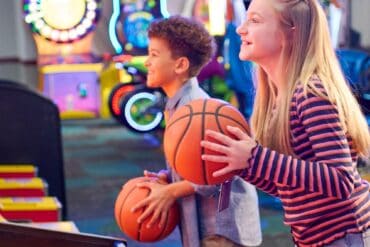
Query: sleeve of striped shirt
329	173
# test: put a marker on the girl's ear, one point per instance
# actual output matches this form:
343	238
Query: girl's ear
182	65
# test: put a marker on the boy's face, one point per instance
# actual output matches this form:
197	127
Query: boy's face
160	64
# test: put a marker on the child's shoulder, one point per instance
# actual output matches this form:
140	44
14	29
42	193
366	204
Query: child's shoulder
312	85
310	91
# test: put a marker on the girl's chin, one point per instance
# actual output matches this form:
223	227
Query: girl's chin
244	56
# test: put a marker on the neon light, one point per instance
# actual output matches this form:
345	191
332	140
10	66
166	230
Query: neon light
164	10
216	9
142	95
118	47
112	27
75	25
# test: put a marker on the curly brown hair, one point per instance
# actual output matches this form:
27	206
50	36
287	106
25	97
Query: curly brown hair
186	37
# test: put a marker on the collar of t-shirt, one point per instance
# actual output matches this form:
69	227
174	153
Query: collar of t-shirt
172	102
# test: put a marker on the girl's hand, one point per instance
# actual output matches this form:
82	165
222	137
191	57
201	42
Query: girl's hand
157	204
234	152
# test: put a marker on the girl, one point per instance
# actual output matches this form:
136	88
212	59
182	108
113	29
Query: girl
308	128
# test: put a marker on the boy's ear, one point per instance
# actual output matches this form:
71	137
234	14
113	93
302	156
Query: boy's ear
182	65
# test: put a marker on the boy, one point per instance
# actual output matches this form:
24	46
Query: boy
178	48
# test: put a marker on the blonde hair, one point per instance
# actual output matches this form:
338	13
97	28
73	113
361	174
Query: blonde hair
310	53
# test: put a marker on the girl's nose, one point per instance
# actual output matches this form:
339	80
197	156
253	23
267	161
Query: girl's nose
242	28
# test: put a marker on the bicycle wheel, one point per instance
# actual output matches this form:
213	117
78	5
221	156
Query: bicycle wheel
116	97
141	110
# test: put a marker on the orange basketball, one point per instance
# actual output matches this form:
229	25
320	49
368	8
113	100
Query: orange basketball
185	130
127	221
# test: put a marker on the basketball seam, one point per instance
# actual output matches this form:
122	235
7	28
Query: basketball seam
202	135
122	204
218	109
236	120
217	120
182	137
141	224
206	113
232	119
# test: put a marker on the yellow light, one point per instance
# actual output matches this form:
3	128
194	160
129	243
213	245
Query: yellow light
217	10
63	14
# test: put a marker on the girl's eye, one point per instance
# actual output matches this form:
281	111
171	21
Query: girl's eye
253	20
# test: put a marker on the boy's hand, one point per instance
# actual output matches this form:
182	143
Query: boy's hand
157	204
161	175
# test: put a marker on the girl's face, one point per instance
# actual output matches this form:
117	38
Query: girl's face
161	66
261	35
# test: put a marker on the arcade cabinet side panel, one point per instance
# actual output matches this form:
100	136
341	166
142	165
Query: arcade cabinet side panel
16	235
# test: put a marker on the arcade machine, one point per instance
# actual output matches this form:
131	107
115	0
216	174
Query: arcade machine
128	35
129	24
213	75
63	32
141	109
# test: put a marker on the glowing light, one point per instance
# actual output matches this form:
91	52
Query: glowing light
29	18
46	31
91	5
63	15
55	34
90	15
66	20
217	9
112	27
32	7
86	23
164	9
72	34
39	24
131	103
129	46
80	30
64	35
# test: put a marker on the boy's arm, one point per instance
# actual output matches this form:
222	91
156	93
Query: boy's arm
180	189
185	188
162	196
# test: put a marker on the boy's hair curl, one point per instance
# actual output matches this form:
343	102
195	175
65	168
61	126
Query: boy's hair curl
186	38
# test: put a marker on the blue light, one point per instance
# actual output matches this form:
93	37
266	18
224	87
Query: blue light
112	27
164	10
